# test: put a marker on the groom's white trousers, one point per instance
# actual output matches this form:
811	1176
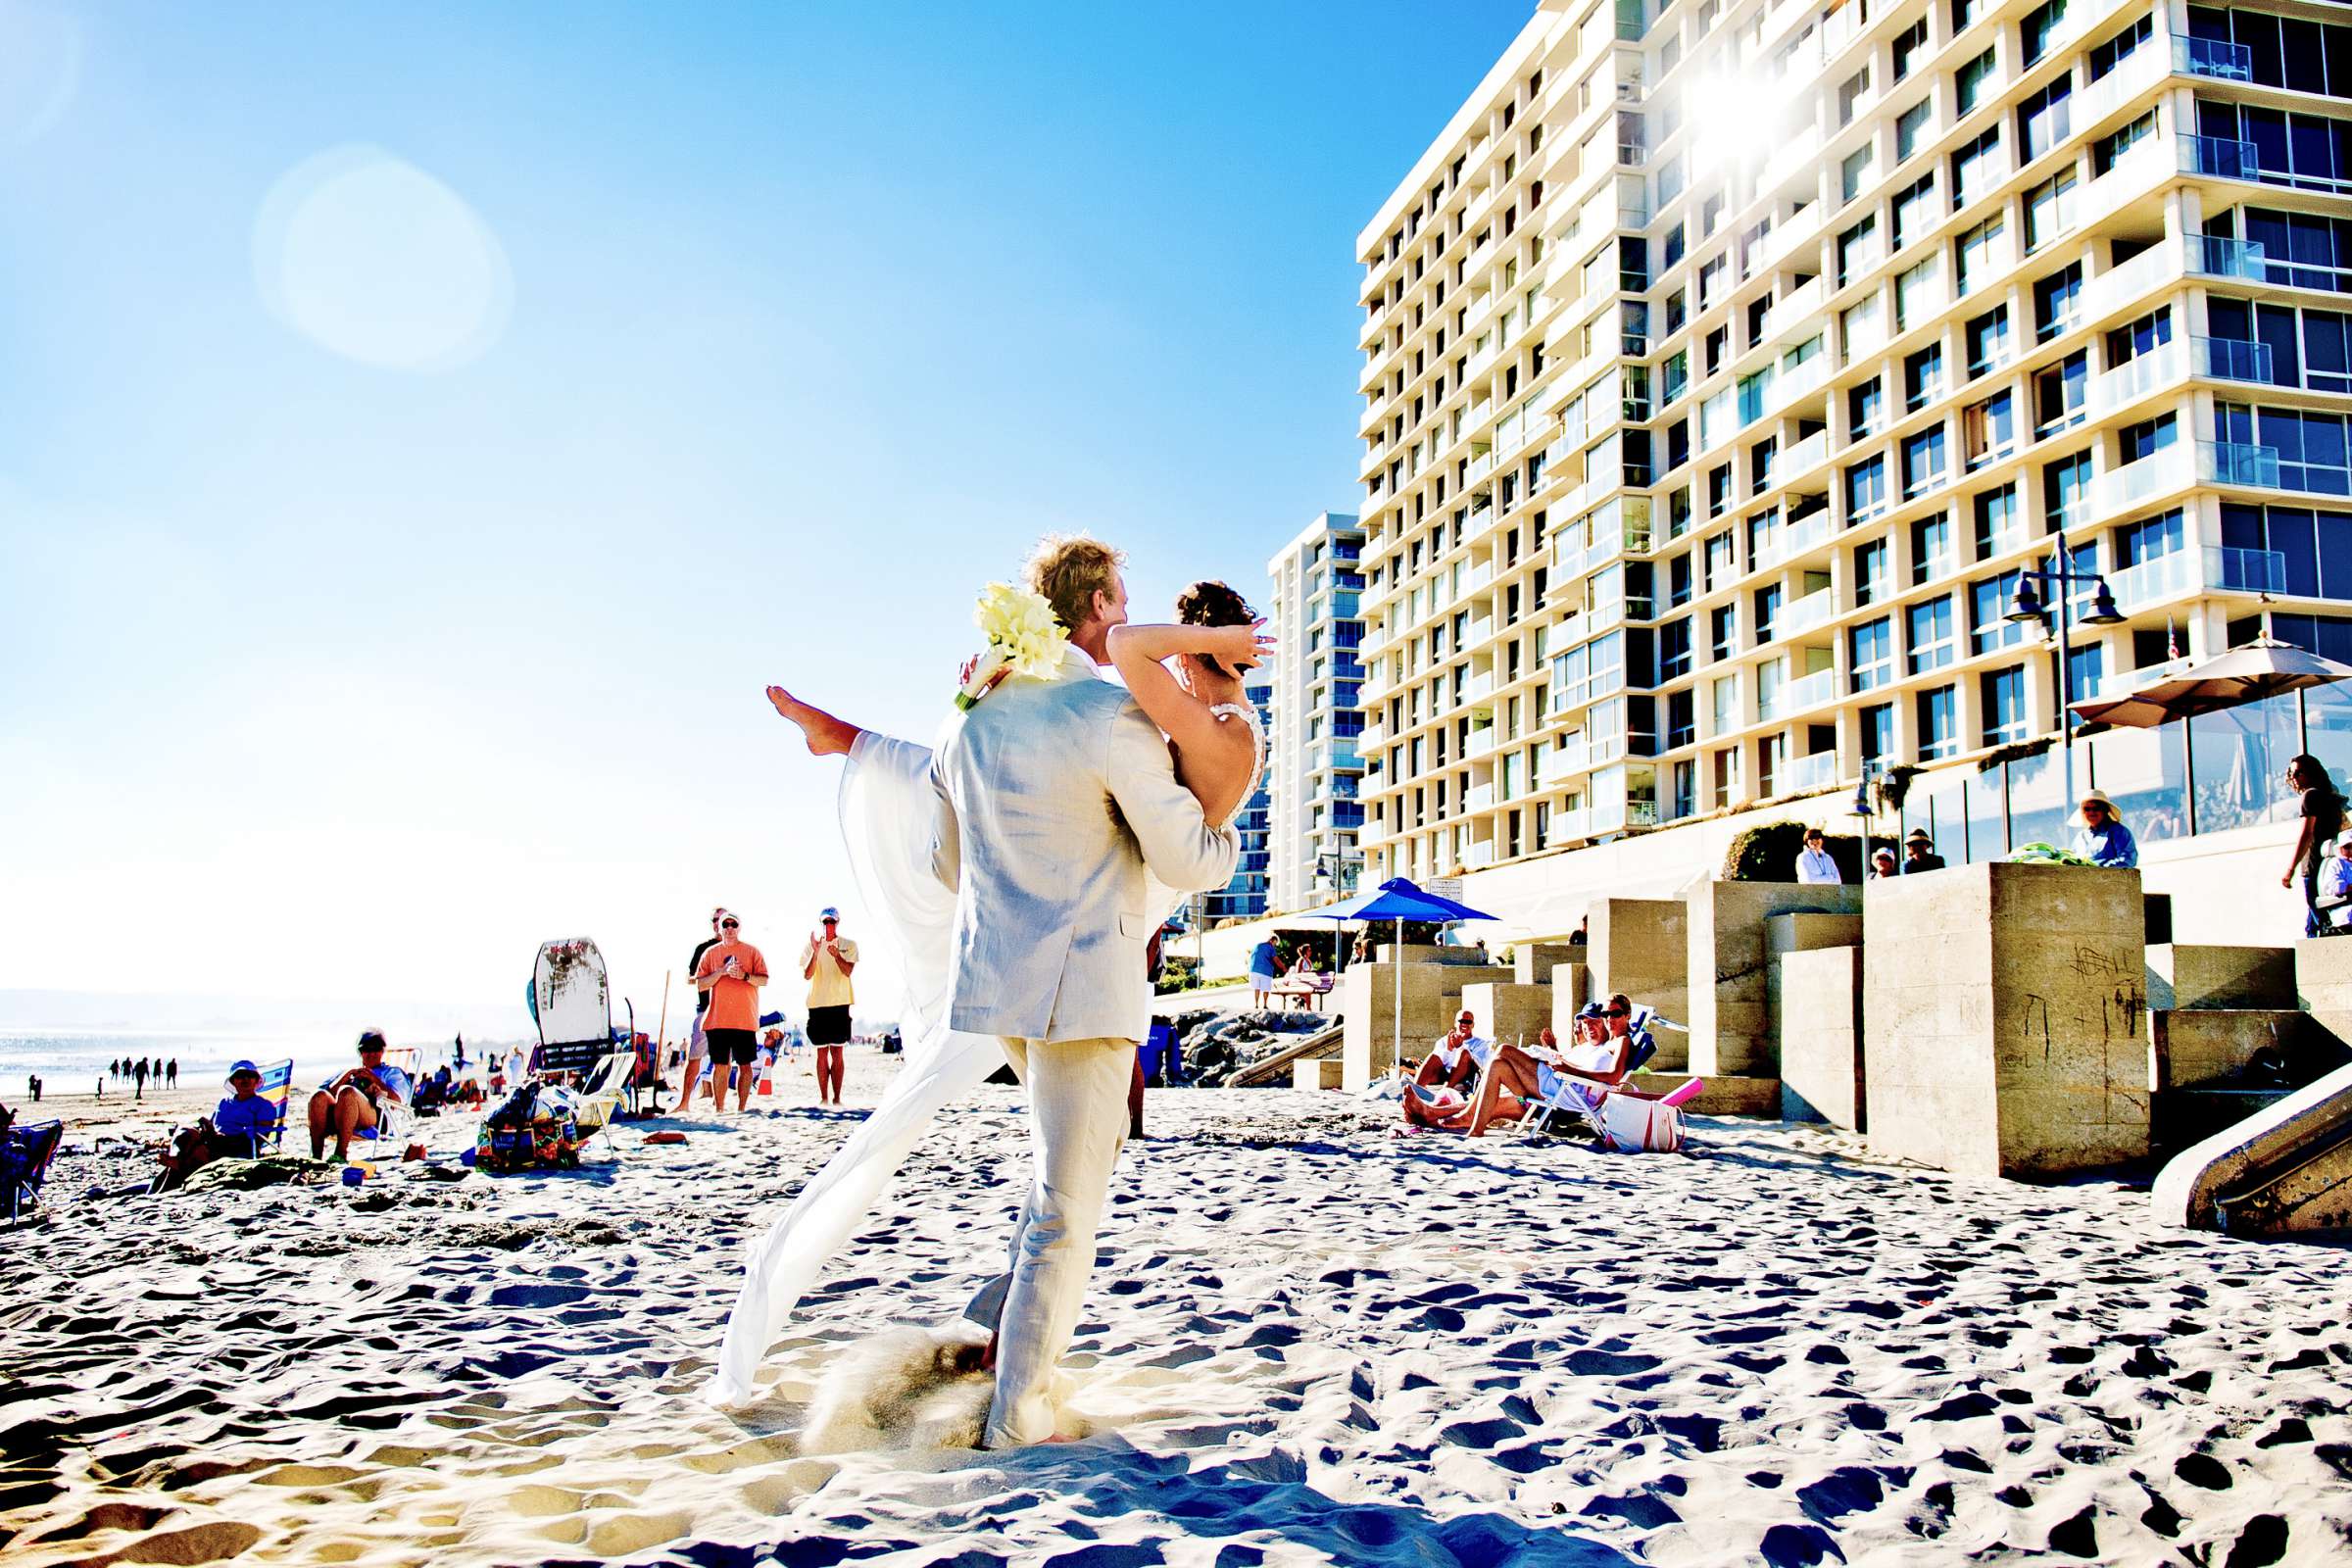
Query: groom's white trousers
1077	1121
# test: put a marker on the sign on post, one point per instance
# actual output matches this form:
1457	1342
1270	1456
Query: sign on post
1444	887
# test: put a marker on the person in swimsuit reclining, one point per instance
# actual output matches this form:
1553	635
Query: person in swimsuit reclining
1516	1077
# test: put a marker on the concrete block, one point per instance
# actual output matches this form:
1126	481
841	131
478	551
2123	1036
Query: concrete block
2324	982
1730	972
2003	1015
1819	1027
1367	995
1324	1073
1508	1011
1532	962
1429	953
2196	1048
2181	976
1640	946
1571	989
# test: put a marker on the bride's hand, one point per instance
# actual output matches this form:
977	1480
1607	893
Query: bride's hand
1240	647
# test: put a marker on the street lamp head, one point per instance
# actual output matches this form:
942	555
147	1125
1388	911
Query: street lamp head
2102	608
2026	604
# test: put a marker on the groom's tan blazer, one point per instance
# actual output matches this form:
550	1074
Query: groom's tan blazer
1055	796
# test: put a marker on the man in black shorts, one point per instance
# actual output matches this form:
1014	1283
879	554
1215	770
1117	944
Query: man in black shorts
825	964
731	974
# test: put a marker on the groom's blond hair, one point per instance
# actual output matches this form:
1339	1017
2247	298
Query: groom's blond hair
1067	569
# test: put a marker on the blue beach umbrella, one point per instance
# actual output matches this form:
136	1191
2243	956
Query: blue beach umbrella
1399	900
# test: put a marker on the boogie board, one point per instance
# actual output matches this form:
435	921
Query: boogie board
573	1004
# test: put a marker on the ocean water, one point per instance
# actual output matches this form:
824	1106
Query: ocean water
71	1060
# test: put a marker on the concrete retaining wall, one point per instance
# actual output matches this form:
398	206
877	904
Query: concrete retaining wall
1729	975
2185	975
1820	1034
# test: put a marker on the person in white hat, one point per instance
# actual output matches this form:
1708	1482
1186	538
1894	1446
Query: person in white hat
825	964
2100	836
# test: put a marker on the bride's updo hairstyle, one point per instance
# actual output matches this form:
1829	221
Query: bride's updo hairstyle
1213	603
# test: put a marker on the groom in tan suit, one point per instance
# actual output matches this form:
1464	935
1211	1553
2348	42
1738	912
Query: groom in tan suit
1055	796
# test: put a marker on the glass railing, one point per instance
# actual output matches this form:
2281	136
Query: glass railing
2237	462
1814	772
2159	367
2252	571
2213	57
1811	692
1806	612
2229	358
2222	157
2151	580
2217	256
2119	488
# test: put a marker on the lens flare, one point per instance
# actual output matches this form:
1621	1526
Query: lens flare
372	258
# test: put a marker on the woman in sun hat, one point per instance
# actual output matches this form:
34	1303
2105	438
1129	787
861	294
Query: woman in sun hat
2100	835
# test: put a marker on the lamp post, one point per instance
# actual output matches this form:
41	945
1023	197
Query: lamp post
1862	808
2028	605
1335	868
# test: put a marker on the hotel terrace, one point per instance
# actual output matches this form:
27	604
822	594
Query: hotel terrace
1726	363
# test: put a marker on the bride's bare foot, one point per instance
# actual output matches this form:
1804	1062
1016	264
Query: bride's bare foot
826	735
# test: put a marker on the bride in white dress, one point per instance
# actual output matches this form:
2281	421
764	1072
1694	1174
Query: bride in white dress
886	804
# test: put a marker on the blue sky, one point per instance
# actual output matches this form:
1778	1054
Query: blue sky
321	678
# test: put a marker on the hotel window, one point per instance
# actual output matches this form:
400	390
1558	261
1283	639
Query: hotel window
2144	438
2138	543
1866	408
2004	692
1859	327
1719	497
2049	210
2311	447
2043	118
1981	254
1915	209
2040	22
1717	341
2085	668
1674	648
1917	294
1998	524
1858	250
1964	13
2059	393
1723	634
1989	432
1923	377
1975	78
1989	625
1907	47
2105	57
1877	730
1912	125
2108	148
1854	171
1678	580
2064	484
1987	339
2134	338
1865	489
1938	724
2057	301
1850	94
1724	698
1976	167
1922	461
1870	572
1870	654
1930	624
1931	548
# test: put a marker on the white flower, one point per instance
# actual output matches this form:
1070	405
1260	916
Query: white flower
1023	639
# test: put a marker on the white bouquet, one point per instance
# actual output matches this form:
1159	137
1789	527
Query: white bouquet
1023	639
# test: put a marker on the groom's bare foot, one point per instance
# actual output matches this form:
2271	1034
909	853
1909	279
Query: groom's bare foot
826	735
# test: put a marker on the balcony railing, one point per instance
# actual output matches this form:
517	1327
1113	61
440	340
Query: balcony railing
1809	692
2111	291
1805	613
1483	738
2215	58
2237	462
2135	378
2222	157
2217	256
2229	358
2132	75
2251	572
1817	771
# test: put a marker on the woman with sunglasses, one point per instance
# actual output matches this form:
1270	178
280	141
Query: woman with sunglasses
2322	811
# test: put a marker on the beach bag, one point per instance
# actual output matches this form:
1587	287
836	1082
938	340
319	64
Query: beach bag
536	1128
1632	1125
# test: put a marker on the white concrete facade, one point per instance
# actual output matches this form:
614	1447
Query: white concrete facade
1727	360
1314	770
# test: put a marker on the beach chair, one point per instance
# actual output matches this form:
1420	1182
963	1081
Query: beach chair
276	1087
602	1090
25	1150
1564	1111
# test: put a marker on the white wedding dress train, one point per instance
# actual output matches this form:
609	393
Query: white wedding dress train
885	791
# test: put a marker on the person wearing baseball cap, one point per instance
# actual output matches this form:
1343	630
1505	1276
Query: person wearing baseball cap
245	1121
825	964
367	1101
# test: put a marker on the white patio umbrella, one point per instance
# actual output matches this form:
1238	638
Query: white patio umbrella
2247	674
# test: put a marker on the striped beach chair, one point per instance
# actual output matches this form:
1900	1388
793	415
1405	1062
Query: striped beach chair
276	1087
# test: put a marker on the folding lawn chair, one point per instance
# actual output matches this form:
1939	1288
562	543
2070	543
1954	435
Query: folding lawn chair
276	1087
25	1150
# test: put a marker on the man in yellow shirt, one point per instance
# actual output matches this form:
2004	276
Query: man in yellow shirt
825	964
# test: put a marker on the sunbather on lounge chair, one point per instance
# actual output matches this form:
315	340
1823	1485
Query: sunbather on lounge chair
1516	1077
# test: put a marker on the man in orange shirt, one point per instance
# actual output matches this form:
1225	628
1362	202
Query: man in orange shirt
731	974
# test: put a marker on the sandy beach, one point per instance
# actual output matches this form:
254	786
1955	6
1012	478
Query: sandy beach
1307	1342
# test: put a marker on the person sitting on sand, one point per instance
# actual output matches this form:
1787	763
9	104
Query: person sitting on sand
370	1099
243	1121
1516	1077
1450	1062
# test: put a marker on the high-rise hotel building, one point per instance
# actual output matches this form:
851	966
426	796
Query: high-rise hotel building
1725	362
1313	767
